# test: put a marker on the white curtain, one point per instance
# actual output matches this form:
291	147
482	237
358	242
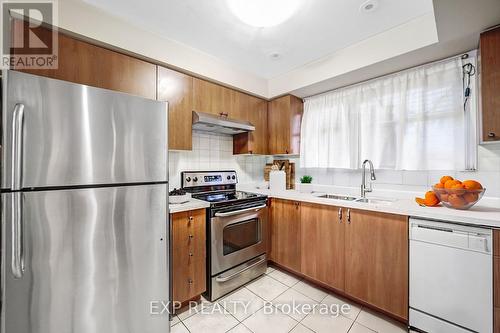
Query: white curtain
412	120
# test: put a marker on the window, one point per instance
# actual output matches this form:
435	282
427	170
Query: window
412	120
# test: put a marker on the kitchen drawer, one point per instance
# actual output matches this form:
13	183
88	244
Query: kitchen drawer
191	252
188	229
189	277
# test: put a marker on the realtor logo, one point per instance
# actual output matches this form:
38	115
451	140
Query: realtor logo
29	38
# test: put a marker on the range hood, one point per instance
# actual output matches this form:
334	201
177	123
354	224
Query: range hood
219	124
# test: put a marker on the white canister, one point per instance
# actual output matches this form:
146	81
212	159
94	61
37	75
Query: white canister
277	180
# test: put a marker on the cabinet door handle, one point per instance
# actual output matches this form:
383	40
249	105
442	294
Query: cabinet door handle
340	215
349	216
190	254
190	237
491	135
190	281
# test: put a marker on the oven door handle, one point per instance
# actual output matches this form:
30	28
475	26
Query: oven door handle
222	278
236	212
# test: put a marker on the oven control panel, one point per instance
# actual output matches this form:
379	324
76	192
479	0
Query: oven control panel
208	178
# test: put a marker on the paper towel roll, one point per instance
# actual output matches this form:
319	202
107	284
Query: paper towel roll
277	180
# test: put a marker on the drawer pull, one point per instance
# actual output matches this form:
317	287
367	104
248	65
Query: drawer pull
222	278
340	215
190	281
349	216
491	135
191	237
190	254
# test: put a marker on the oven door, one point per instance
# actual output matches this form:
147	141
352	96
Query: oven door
237	236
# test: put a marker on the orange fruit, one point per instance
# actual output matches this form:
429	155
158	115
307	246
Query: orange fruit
471	197
444	179
458	189
439	185
444	197
449	183
431	199
420	201
472	185
456	201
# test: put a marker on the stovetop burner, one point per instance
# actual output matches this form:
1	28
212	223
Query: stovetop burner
218	188
225	196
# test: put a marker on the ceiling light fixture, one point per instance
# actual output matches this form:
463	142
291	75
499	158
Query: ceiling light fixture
263	13
368	6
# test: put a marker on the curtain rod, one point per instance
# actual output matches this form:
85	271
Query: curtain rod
464	55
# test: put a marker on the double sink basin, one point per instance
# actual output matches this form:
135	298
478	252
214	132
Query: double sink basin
372	201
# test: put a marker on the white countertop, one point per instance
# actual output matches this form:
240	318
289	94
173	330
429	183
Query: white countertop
192	204
484	213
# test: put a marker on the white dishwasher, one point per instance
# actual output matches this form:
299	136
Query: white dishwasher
451	278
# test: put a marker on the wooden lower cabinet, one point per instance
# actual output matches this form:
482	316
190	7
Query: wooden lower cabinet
361	254
285	233
322	240
496	281
376	260
188	254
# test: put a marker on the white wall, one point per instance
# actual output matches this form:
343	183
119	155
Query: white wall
214	152
488	174
86	20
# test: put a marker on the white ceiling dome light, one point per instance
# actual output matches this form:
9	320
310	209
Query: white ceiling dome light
263	13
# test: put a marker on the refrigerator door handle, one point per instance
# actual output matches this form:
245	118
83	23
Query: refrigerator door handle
17	146
17	236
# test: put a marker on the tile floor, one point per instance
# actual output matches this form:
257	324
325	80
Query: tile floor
280	291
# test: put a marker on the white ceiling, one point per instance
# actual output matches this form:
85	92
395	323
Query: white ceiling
318	29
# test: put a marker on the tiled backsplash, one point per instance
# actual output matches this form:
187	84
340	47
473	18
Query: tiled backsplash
488	174
214	152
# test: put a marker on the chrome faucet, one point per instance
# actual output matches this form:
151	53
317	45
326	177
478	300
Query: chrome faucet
364	189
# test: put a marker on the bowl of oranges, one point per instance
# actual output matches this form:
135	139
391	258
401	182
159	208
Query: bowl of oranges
456	194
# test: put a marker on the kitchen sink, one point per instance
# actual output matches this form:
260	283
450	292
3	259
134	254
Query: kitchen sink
337	197
375	201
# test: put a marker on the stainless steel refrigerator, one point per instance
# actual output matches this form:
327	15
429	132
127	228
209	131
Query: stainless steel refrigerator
84	217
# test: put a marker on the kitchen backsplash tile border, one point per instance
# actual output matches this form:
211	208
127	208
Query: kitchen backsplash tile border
213	151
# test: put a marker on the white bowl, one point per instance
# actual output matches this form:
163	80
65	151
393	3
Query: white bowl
179	199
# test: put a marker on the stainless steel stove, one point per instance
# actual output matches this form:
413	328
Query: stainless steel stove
236	230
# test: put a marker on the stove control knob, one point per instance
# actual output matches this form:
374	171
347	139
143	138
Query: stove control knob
228	177
195	179
233	177
188	179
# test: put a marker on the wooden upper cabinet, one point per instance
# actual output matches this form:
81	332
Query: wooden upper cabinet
490	84
284	119
255	142
322	234
177	89
285	233
376	261
216	99
84	63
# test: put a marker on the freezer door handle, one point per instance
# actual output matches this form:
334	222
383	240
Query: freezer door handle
17	236
17	146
